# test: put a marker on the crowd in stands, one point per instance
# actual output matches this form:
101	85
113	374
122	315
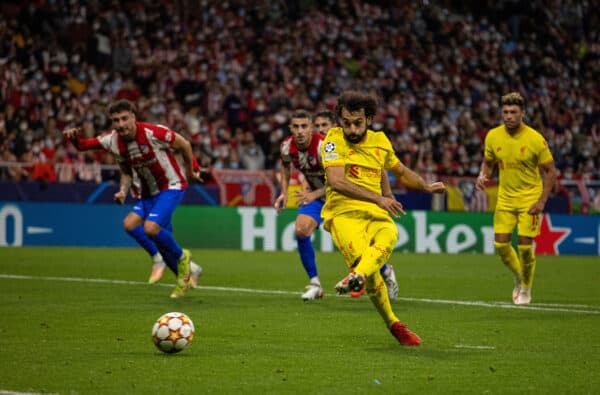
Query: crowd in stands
228	74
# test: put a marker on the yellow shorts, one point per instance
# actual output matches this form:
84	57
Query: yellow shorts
353	232
528	225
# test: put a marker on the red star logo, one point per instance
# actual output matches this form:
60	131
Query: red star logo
550	237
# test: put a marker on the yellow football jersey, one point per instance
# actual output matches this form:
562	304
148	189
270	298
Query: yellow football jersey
363	164
518	158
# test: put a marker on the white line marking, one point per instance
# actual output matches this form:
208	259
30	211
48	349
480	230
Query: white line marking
475	347
7	392
566	308
585	240
36	230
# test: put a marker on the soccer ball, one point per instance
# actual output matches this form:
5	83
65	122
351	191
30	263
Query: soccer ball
172	332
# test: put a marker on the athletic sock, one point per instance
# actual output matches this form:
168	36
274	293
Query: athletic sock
143	240
170	259
528	262
383	270
379	297
165	240
509	257
307	255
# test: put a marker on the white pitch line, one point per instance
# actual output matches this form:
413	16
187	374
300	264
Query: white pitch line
566	308
474	347
7	392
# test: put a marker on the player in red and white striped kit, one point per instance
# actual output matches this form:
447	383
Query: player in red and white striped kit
145	154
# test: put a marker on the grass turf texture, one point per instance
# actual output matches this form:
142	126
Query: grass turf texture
82	337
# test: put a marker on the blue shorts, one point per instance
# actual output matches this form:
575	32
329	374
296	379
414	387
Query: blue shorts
159	208
313	210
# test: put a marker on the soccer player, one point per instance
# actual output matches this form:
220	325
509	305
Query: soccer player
355	212
303	150
323	121
526	178
148	166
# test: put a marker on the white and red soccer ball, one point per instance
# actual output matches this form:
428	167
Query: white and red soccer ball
172	332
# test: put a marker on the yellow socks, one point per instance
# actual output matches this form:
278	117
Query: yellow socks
379	297
528	265
509	257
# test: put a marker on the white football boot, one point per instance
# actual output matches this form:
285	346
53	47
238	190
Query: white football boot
196	271
524	296
516	289
313	291
389	276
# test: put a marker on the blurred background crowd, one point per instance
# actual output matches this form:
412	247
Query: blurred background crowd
228	74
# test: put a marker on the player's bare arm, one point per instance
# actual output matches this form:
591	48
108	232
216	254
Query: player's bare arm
414	181
125	183
386	187
485	173
306	196
548	173
339	183
184	146
281	201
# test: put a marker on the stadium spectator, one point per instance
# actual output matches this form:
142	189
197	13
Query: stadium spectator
441	68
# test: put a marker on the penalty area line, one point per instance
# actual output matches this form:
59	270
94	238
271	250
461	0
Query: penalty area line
565	308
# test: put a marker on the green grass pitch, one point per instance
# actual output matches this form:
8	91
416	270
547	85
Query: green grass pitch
78	321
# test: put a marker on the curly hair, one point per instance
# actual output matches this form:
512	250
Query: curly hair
355	101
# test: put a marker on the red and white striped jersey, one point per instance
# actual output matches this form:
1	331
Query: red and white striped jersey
150	158
308	162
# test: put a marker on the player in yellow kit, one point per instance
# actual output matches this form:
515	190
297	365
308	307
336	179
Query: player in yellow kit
355	212
526	177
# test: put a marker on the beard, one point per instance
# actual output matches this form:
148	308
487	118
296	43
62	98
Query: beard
355	138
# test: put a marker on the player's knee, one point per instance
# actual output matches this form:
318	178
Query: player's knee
129	225
386	238
304	229
151	228
502	249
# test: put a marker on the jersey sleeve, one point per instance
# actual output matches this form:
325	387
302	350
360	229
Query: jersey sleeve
163	135
332	149
391	160
488	151
544	154
284	149
88	144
